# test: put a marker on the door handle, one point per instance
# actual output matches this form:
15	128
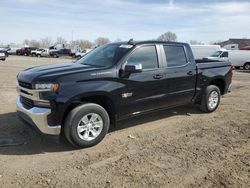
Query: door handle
158	76
190	73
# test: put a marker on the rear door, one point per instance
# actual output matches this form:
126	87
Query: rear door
179	73
142	91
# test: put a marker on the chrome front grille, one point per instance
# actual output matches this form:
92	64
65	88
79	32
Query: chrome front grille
30	97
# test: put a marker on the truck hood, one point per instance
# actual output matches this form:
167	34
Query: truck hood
55	70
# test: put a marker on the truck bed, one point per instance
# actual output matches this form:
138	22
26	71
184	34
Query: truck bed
206	60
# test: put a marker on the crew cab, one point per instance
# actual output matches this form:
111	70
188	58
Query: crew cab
116	81
60	52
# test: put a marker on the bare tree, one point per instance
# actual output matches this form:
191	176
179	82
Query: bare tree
85	44
46	42
60	40
31	43
101	41
215	42
34	43
26	42
195	42
168	36
82	44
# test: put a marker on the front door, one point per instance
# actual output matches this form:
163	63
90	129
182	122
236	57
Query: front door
142	91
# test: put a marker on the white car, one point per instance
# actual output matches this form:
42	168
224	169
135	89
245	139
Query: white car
239	58
37	52
2	55
45	53
82	53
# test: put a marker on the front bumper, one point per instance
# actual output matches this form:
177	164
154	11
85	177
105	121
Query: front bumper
38	117
2	57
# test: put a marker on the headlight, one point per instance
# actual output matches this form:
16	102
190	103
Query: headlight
52	87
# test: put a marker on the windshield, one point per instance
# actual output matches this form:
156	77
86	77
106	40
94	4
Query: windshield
105	56
216	54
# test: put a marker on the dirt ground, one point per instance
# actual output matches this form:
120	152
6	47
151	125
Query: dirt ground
181	147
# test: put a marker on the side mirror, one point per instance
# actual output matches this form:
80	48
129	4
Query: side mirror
133	68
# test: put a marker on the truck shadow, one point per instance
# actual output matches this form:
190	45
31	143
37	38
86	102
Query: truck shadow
16	138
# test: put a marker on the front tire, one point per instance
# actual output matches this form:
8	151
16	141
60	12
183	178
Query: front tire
86	125
210	99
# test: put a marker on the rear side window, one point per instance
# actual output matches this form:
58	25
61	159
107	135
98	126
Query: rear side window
175	55
145	55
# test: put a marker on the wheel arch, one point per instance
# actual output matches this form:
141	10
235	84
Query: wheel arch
101	99
220	83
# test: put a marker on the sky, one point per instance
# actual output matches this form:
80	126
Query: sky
204	20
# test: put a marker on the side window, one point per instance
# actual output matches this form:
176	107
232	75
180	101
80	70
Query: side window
225	54
175	55
146	55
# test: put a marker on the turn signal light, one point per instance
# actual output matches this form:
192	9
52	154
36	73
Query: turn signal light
56	88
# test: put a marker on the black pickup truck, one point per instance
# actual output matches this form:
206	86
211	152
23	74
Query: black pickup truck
60	52
116	81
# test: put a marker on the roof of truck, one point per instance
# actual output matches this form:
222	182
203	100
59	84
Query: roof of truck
131	42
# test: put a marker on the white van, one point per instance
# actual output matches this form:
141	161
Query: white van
239	58
202	51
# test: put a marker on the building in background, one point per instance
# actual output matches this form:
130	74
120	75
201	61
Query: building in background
236	44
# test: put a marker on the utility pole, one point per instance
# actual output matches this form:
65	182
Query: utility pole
72	35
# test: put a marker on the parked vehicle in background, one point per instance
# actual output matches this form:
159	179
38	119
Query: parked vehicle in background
117	81
12	51
60	52
2	55
45	53
82	53
201	51
26	51
37	52
5	50
239	58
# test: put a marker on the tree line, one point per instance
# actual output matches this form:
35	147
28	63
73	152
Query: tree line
81	43
84	43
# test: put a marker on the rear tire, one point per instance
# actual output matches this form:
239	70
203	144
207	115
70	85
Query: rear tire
210	99
55	56
246	66
86	125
